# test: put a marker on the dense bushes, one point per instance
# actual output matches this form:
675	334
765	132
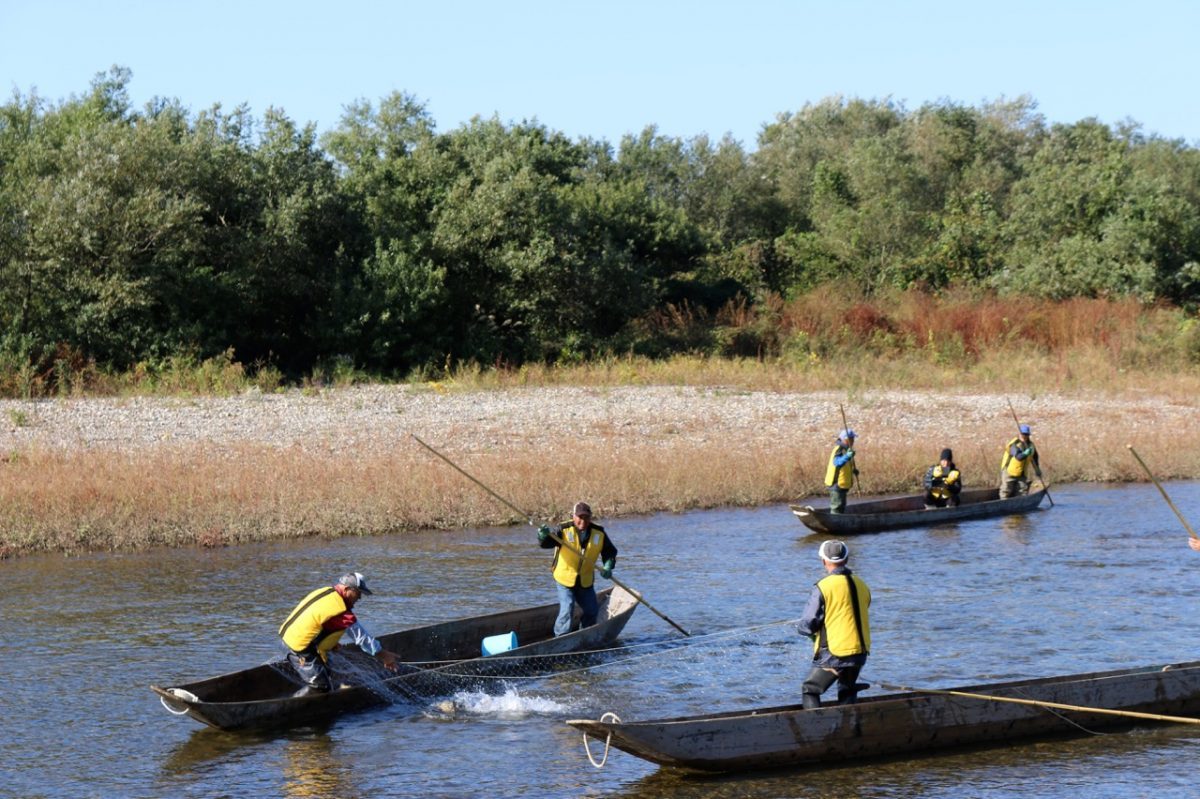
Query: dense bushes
131	237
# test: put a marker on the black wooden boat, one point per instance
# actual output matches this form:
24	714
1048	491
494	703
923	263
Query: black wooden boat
263	696
910	511
910	723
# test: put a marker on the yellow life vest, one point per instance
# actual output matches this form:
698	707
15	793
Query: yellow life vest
950	477
844	474
1013	467
840	633
302	630
566	564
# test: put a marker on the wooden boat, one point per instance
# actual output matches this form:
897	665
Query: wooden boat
905	723
263	696
910	511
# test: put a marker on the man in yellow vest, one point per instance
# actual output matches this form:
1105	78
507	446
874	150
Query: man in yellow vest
837	619
1018	465
315	627
839	474
943	482
574	577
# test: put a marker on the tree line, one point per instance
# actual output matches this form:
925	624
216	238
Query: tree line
133	235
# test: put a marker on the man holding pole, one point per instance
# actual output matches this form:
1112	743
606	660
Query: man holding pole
1018	464
575	576
839	474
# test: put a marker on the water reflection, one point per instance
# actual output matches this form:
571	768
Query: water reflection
311	771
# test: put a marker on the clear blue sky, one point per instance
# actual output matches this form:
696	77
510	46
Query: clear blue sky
603	69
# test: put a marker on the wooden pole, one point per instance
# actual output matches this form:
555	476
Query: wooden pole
1157	485
636	595
853	465
1040	703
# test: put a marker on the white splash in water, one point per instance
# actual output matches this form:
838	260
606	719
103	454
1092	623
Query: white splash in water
509	705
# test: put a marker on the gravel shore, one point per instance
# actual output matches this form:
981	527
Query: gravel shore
379	418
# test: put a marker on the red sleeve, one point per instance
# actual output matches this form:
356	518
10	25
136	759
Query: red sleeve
339	622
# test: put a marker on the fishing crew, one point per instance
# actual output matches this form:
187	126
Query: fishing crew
574	576
316	626
837	619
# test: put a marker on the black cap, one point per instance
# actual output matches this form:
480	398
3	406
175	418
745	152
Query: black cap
947	455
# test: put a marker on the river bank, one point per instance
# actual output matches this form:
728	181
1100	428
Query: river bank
117	473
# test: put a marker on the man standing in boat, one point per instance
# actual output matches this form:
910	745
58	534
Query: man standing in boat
317	624
839	475
1018	465
943	482
574	577
837	619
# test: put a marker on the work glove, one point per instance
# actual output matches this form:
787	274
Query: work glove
606	569
543	533
850	454
1028	451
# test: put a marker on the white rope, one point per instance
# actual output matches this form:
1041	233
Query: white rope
186	696
610	716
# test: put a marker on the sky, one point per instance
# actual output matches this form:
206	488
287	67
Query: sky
606	68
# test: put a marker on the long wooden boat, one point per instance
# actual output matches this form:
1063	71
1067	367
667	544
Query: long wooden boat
263	696
910	511
905	723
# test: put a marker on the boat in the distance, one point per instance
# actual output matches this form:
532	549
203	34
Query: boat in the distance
911	511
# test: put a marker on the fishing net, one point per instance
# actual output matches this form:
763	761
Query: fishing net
691	673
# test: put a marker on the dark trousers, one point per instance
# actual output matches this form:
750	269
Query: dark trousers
311	670
941	502
820	679
837	499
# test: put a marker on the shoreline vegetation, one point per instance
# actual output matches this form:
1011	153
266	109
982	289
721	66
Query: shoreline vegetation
104	473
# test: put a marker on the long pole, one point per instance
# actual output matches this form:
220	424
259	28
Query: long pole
1191	532
1039	703
853	466
1036	469
636	595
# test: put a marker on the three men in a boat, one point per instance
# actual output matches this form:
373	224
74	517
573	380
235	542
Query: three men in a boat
1019	464
837	619
317	625
575	576
839	474
943	482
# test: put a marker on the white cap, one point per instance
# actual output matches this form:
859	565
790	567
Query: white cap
833	551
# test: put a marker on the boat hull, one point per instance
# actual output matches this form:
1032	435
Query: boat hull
910	511
264	696
903	724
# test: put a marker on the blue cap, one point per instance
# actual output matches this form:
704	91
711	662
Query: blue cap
1024	429
847	433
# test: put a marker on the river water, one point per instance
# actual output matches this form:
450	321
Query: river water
1102	580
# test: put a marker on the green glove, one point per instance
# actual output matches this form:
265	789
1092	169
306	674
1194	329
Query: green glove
606	569
1028	452
543	532
850	454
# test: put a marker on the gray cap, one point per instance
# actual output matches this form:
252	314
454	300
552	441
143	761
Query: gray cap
355	580
834	551
582	509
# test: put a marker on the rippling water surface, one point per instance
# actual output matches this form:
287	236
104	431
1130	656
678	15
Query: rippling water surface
1102	580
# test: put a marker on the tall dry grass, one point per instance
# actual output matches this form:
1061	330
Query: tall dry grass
103	501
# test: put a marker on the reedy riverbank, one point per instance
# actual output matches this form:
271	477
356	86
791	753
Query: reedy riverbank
110	474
